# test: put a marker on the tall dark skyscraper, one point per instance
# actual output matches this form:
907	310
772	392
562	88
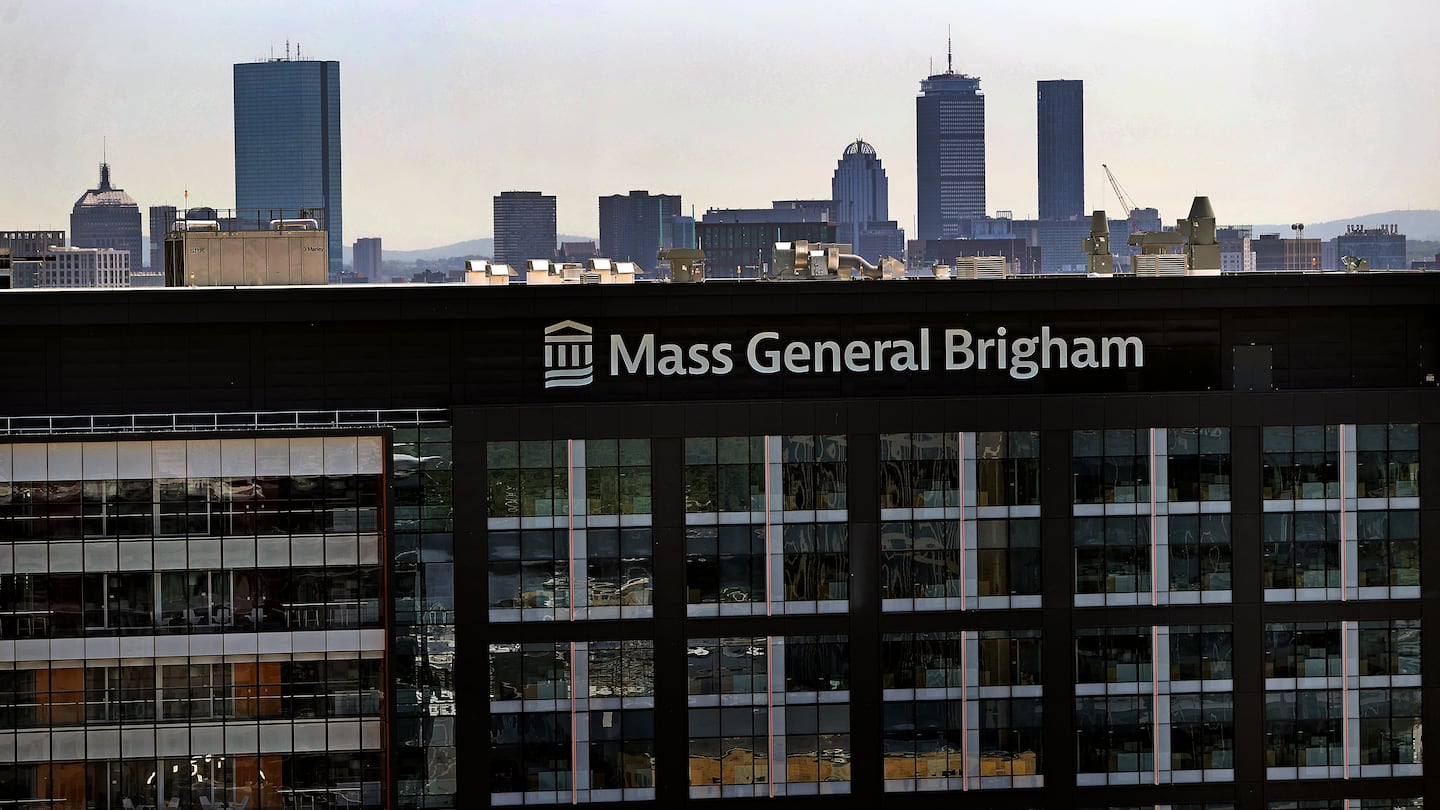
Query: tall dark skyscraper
949	152
107	217
860	189
161	218
634	226
1060	126
524	227
287	142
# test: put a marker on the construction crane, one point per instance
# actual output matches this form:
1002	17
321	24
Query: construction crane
1123	198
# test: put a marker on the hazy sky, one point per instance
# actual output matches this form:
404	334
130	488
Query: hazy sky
1279	111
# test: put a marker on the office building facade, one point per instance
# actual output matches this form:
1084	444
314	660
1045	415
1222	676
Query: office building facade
162	219
860	191
107	217
1060	148
949	153
367	258
1094	543
1383	246
287	144
634	227
524	227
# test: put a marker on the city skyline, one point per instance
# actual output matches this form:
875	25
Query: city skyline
1284	133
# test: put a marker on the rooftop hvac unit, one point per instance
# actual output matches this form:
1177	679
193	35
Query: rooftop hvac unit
1159	264
980	267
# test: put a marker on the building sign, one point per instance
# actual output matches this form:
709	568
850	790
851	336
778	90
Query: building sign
569	359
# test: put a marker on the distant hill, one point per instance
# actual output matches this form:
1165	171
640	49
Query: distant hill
473	247
1414	224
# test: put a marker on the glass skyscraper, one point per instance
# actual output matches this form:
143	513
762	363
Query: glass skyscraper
1060	123
949	153
287	142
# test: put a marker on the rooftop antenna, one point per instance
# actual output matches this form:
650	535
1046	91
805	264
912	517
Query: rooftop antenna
297	50
287	49
949	52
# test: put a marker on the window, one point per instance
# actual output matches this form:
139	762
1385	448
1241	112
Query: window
1201	652
920	559
1301	462
1390	647
1390	726
1388	549
1112	554
729	745
1304	728
919	470
1007	557
725	474
529	569
725	564
1198	465
1301	550
621	668
1199	552
1114	734
728	666
527	479
617	476
1007	468
813	472
1009	658
1202	731
816	561
1302	650
1113	654
529	671
817	663
1387	460
622	749
620	567
1111	466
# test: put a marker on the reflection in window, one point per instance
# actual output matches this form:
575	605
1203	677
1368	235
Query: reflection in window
1199	552
1301	462
727	666
617	476
1111	466
817	561
1390	728
1388	549
1302	650
1113	654
620	567
919	470
1112	554
1201	652
1007	468
1304	728
1114	734
817	742
622	749
817	663
729	745
725	564
527	479
621	668
529	569
725	474
813	472
1202	731
1302	550
1390	647
1387	461
529	671
1198	466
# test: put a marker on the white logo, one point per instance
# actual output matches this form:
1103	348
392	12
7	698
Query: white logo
569	355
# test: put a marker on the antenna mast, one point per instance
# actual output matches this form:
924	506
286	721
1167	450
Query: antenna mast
949	52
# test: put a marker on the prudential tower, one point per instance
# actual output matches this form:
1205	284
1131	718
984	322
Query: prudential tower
949	152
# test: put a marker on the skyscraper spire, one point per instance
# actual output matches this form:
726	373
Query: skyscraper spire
949	52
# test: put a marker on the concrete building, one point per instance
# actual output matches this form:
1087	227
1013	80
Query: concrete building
1021	256
949	153
738	247
287	144
162	219
107	217
1383	247
74	267
208	257
1060	149
1276	255
367	258
524	227
30	245
634	227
